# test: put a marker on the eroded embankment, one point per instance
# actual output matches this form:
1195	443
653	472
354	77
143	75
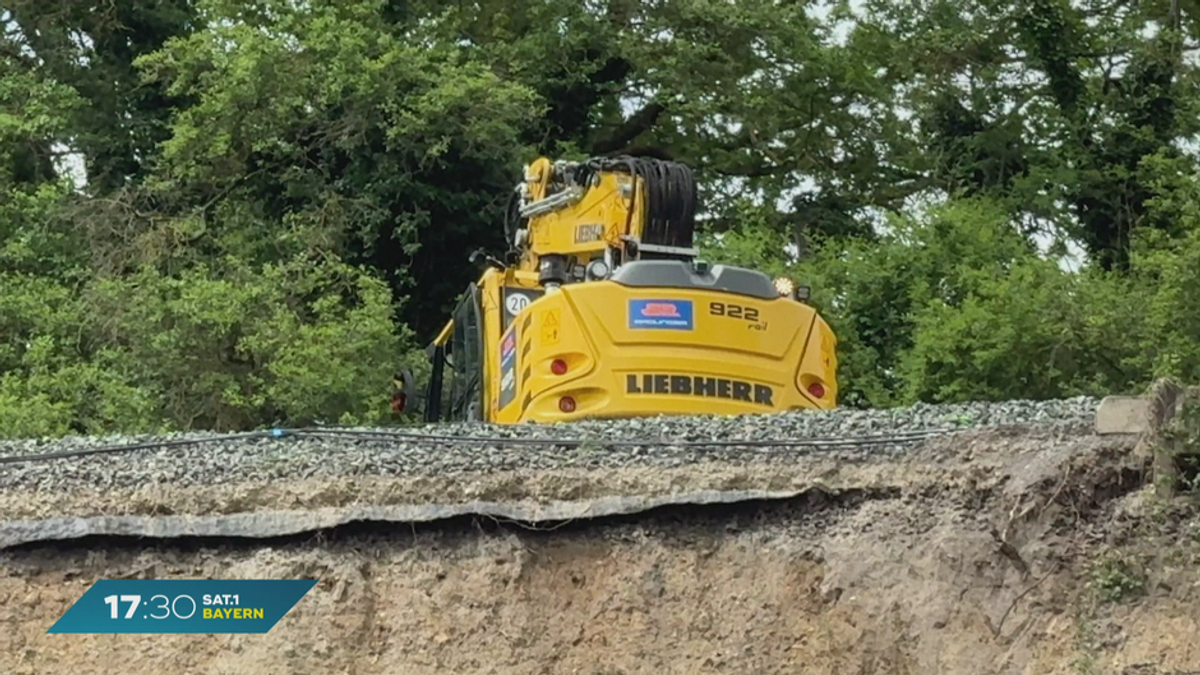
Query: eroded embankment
1018	552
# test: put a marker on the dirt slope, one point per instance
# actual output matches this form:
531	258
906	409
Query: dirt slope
1022	552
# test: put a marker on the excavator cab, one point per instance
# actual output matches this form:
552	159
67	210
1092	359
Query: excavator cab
455	387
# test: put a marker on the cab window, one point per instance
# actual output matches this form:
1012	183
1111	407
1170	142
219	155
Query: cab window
466	359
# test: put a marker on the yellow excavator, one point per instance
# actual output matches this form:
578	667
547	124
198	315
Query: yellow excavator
602	308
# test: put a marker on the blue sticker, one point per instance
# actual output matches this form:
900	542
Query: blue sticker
196	606
663	314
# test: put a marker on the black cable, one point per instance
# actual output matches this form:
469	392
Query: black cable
644	443
147	445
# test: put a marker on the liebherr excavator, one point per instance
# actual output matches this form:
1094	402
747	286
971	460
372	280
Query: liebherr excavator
602	308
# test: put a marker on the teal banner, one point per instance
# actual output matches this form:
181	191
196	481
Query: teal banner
205	606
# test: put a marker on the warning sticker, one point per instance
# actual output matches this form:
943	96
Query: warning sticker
550	325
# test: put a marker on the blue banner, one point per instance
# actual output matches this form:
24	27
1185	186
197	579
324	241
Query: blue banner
663	314
205	606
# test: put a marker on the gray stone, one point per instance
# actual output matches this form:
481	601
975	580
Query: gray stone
843	434
1123	415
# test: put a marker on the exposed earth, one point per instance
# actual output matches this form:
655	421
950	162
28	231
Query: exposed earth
1024	550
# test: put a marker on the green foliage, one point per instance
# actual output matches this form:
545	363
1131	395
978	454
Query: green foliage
1179	444
1168	278
323	127
46	388
954	304
280	196
1113	578
293	343
115	120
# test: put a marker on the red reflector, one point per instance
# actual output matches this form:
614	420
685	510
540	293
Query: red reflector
816	390
558	366
566	404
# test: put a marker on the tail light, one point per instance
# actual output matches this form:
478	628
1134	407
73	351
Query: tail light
566	404
558	366
817	390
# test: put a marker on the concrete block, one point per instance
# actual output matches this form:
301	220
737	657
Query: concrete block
1123	415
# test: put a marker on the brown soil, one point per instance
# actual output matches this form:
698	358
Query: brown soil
982	554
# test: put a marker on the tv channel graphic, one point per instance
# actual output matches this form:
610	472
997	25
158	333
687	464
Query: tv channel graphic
196	606
662	314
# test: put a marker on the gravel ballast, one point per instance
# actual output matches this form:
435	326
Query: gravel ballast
301	458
